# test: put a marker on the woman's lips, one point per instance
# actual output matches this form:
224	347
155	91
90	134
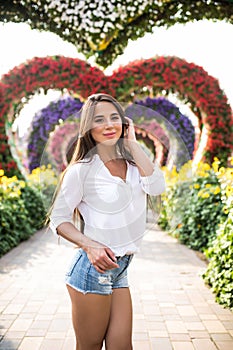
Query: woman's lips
110	134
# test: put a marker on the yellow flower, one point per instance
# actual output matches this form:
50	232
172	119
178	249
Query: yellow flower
203	194
4	179
206	166
225	210
36	171
22	184
1	172
229	173
222	171
229	191
215	164
217	190
208	185
196	186
231	160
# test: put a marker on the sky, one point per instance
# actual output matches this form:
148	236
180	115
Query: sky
205	43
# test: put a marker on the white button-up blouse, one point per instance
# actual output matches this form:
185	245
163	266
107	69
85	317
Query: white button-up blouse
114	210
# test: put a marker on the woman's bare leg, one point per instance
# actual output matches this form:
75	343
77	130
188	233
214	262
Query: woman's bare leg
90	315
119	333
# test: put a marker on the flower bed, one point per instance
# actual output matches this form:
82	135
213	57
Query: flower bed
198	210
22	211
193	206
219	273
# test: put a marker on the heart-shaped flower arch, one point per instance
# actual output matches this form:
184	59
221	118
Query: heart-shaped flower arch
67	108
189	81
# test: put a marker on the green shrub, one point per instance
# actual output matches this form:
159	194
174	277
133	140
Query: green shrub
202	214
34	204
174	204
14	223
219	273
21	212
200	208
192	206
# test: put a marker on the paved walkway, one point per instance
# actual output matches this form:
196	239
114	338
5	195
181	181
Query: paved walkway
173	309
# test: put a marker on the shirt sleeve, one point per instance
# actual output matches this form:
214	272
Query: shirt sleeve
154	184
68	198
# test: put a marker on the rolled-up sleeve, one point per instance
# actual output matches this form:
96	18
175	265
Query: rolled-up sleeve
68	198
154	184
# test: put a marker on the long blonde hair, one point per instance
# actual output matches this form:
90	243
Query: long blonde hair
86	145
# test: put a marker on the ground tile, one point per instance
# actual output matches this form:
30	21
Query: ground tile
224	345
204	344
182	345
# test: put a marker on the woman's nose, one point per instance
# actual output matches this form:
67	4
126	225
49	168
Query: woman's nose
108	123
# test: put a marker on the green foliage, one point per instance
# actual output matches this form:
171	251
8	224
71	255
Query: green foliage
102	30
44	181
193	210
21	214
219	273
200	209
174	206
201	214
34	205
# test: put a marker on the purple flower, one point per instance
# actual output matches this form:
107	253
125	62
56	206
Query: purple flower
170	118
45	121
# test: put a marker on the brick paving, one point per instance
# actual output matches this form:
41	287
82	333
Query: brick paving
173	309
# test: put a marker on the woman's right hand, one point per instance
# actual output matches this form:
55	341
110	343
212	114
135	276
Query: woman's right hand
101	257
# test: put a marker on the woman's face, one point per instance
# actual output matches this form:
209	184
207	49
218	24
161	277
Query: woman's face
106	124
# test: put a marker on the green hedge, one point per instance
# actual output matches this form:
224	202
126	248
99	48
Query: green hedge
20	215
219	273
193	211
198	210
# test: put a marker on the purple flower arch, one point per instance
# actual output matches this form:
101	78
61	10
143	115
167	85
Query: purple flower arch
172	113
45	121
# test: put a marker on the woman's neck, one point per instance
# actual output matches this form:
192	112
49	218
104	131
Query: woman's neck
107	153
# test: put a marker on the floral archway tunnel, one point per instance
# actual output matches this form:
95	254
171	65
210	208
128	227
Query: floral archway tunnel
191	83
146	122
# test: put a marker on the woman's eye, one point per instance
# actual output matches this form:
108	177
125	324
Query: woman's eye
99	120
116	117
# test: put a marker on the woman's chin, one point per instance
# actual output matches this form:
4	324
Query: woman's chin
109	142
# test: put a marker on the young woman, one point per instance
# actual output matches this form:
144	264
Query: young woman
107	182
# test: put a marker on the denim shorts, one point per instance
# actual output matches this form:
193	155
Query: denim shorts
83	277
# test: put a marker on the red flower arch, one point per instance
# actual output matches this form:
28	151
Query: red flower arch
189	81
65	135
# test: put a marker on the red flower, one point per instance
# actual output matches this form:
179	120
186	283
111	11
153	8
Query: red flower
173	74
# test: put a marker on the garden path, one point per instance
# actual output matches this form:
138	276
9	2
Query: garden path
173	309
